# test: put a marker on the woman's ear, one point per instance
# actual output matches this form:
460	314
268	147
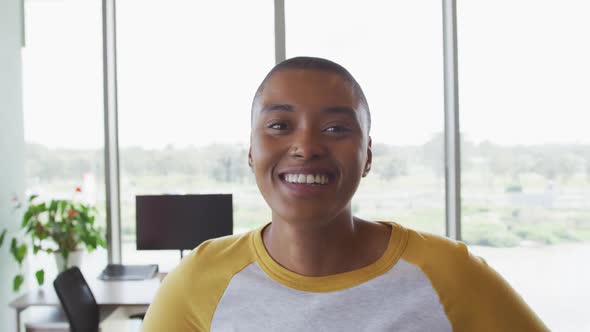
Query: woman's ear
369	158
250	164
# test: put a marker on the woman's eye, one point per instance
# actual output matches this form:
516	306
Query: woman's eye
277	126
336	129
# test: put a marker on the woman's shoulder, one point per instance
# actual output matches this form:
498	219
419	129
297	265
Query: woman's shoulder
188	294
421	247
227	251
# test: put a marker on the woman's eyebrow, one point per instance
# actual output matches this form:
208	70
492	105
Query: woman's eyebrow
340	110
345	110
278	107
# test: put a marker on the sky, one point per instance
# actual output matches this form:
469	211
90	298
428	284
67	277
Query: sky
187	72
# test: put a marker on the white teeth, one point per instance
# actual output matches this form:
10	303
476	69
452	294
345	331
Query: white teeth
306	178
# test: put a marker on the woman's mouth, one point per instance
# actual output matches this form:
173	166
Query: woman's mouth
307	182
309	179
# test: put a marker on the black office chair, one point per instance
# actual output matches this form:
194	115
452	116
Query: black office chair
77	301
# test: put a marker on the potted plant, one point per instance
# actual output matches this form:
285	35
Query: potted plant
58	226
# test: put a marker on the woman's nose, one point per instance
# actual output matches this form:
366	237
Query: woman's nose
307	145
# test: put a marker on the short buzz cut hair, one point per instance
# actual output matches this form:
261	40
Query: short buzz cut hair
319	64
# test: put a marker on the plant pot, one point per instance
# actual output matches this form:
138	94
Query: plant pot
74	259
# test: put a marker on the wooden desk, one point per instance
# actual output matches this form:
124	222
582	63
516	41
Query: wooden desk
109	295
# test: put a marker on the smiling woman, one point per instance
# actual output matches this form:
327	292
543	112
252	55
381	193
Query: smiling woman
327	138
316	266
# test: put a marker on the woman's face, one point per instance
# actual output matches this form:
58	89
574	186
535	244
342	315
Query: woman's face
309	146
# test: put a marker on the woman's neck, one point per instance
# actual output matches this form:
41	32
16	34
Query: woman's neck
341	245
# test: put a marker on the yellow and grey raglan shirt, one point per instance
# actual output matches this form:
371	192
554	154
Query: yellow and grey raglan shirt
422	282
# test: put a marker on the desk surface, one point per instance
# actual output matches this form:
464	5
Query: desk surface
106	293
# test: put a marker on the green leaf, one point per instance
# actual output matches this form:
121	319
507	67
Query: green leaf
40	275
27	216
20	253
92	241
2	237
42	207
101	242
52	210
17	282
62	205
32	197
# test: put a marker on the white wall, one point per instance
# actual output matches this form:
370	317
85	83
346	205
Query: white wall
12	145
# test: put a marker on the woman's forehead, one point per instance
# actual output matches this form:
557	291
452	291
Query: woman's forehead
304	86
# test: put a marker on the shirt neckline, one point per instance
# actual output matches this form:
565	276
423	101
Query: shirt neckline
395	247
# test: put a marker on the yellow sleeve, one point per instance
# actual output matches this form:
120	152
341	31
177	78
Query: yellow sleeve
474	296
188	296
171	309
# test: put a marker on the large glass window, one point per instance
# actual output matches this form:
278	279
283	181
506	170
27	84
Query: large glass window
63	107
394	50
524	82
188	71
